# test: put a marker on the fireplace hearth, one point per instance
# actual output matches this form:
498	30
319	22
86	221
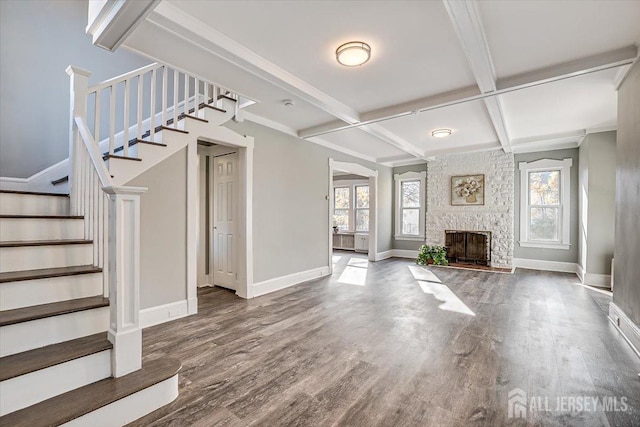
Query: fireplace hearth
472	247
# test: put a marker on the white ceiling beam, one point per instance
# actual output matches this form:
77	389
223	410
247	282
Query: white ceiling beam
578	67
187	27
467	24
552	74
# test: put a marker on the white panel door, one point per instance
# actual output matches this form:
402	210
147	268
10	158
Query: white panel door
225	213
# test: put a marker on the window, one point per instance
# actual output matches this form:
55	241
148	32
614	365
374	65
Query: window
362	208
351	206
545	203
410	205
342	207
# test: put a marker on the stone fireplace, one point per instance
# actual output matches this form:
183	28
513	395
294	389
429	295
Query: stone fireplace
495	216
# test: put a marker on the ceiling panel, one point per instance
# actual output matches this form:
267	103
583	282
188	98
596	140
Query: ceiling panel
415	52
584	102
527	35
469	122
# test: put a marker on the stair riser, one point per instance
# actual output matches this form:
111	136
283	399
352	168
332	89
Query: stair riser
37	257
26	293
21	229
25	390
130	408
25	336
30	204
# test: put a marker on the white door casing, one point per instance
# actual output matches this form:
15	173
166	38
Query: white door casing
225	211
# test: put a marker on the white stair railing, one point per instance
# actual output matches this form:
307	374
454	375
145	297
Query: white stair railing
153	97
141	101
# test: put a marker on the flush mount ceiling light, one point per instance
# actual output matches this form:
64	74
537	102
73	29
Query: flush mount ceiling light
441	133
353	54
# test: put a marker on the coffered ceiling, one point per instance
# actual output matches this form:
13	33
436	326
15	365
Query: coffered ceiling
516	76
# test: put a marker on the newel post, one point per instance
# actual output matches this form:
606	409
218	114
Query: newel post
124	279
79	83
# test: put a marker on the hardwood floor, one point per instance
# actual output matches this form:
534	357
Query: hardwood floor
393	344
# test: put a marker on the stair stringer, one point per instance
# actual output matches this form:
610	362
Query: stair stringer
123	170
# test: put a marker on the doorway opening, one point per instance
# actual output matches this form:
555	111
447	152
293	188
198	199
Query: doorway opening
352	209
224	224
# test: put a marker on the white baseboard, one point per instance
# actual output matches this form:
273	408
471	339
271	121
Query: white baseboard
163	313
277	283
538	264
629	330
384	255
598	280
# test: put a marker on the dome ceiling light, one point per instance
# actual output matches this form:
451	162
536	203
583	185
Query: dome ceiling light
441	133
353	54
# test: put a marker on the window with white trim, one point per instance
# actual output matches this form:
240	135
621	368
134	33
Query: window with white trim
362	208
351	206
545	203
342	207
410	205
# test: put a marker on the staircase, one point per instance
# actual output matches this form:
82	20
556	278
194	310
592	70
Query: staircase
70	341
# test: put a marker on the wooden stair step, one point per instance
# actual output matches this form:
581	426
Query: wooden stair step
115	156
203	105
33	193
19	243
26	314
81	401
135	142
60	180
195	118
40	358
173	129
226	97
42	216
46	273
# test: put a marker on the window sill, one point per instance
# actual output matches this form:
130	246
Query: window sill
539	245
413	238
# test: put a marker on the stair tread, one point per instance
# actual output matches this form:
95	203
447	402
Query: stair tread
173	129
115	156
40	358
83	400
213	108
195	118
15	276
33	193
26	314
60	180
226	97
58	242
43	216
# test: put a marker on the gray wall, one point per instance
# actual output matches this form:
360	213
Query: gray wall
290	206
163	237
570	255
626	290
39	40
404	244
597	202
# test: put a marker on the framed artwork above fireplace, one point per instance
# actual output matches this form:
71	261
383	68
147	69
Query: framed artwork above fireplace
467	190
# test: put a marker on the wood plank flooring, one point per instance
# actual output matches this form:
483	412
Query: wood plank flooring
393	344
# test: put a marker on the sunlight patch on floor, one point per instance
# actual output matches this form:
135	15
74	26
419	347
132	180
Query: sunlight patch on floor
335	259
355	273
450	301
431	284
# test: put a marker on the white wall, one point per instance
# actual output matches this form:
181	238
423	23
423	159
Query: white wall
597	204
39	40
163	236
290	206
497	213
